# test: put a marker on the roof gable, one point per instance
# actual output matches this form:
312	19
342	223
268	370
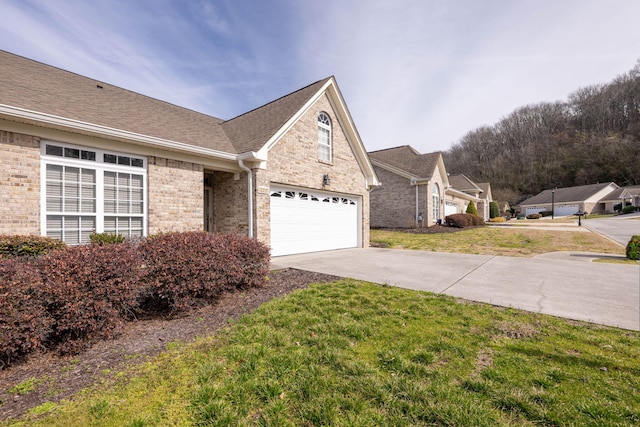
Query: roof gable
463	183
618	193
251	131
406	159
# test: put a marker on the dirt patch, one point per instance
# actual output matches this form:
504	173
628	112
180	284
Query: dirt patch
517	330
55	378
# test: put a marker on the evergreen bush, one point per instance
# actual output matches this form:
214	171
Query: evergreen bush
633	248
28	246
471	208
106	238
494	210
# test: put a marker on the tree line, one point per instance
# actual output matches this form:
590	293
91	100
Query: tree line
593	136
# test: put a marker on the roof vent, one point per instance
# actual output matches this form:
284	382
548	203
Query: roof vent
99	87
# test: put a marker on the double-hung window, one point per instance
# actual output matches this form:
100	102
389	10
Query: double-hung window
324	137
87	190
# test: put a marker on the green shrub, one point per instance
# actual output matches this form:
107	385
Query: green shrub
471	208
28	246
628	209
106	238
494	210
534	216
633	248
462	220
546	213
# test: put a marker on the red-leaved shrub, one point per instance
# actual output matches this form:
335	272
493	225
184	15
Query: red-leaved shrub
24	323
89	291
180	268
462	220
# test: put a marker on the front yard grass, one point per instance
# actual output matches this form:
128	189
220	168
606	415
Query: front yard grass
351	353
508	241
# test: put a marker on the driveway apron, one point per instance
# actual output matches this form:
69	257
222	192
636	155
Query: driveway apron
617	228
560	284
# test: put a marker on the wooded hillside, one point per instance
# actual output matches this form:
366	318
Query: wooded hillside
592	137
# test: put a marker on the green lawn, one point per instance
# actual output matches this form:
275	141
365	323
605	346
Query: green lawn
351	353
509	241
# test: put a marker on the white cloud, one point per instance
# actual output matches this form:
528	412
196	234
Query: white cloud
419	72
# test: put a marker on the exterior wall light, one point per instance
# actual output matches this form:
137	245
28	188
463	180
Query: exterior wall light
326	180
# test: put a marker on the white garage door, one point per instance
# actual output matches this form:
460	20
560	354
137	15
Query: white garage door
311	221
566	210
450	208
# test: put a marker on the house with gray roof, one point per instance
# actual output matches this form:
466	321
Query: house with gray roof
416	190
569	200
79	155
463	190
411	193
621	197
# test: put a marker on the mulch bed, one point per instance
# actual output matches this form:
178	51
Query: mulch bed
62	377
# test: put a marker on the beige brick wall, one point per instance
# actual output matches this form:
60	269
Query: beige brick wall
294	161
393	204
230	203
175	195
19	184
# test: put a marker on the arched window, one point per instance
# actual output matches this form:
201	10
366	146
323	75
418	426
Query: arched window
324	137
436	202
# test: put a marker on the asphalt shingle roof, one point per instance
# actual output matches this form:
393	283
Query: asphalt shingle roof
35	86
406	158
463	183
251	130
567	194
616	194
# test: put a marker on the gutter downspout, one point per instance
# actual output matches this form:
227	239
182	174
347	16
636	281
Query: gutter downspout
250	194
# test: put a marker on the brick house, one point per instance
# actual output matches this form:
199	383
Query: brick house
412	190
416	190
78	155
463	190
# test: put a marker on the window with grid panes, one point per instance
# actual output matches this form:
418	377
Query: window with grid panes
324	137
87	190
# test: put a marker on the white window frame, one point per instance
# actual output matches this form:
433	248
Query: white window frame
436	201
325	150
100	167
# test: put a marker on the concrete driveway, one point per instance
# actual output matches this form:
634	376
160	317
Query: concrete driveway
617	228
561	284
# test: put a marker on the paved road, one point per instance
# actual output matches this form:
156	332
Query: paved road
617	228
560	284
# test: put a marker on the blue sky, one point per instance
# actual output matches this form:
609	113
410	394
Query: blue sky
418	72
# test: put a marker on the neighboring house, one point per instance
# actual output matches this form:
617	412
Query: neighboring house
623	196
462	191
78	155
412	190
568	200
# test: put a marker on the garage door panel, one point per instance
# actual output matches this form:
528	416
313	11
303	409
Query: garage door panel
311	221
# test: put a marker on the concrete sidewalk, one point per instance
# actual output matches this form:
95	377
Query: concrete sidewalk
560	284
